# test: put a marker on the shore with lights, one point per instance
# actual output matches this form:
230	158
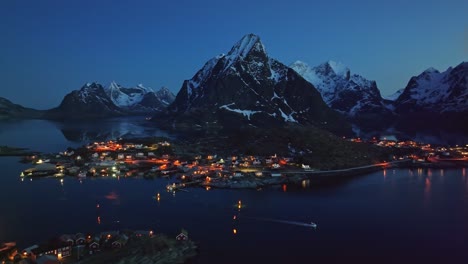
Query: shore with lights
151	158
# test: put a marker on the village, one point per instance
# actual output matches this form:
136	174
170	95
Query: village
152	158
102	247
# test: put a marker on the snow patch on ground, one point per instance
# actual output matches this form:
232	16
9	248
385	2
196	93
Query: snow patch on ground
246	113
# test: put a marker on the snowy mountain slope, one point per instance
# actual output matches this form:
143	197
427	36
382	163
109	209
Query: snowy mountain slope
246	84
435	91
435	99
126	97
352	95
139	98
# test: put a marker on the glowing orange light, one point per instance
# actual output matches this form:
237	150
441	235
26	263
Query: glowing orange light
234	231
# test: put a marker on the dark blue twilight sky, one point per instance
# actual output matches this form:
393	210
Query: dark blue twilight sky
49	48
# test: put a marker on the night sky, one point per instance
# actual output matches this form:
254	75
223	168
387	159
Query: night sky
49	48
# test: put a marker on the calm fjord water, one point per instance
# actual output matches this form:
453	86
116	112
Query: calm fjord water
392	216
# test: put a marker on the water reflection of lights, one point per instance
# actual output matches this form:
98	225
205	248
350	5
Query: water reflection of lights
234	231
305	183
429	172
384	173
99	220
207	188
284	187
441	172
427	190
61	182
464	172
158	197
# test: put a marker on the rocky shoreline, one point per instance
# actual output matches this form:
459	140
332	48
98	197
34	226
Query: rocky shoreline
159	249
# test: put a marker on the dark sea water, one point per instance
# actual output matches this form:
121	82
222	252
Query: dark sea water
392	216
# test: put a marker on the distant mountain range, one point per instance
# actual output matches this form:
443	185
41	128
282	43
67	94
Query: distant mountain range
95	101
246	87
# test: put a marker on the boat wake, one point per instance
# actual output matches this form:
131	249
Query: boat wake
304	224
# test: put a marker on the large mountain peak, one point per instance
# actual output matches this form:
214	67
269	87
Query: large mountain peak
249	43
247	83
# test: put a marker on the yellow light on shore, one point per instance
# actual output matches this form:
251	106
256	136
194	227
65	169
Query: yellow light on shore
59	255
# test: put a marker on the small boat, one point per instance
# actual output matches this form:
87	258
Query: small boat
82	174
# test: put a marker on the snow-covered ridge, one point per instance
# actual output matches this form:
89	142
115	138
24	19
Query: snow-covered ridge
138	98
339	68
437	91
127	97
224	64
345	93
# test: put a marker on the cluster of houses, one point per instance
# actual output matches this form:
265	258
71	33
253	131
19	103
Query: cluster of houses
54	251
421	152
128	159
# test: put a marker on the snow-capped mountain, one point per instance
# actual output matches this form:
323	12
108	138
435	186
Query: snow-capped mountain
165	95
435	99
126	97
246	84
139	99
89	101
350	94
93	100
434	91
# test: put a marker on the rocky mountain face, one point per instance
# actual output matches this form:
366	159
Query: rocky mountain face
349	94
434	91
95	101
246	86
435	98
10	110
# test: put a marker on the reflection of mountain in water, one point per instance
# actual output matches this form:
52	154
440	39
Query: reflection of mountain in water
106	129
